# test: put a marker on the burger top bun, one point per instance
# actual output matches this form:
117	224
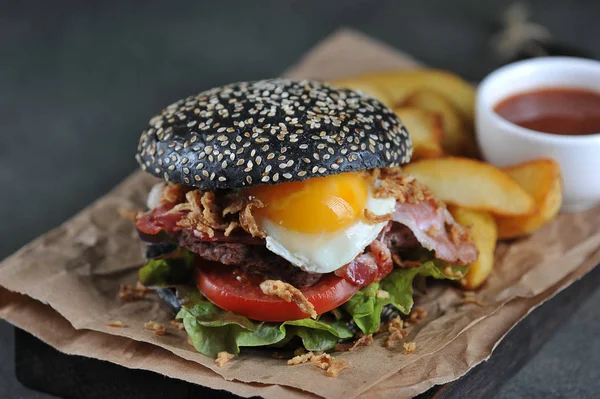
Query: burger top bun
269	132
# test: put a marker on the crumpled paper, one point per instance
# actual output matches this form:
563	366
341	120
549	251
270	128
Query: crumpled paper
63	288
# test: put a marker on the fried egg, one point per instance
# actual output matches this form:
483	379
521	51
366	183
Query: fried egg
319	224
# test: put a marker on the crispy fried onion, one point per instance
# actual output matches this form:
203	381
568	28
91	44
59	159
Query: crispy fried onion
156	328
173	193
247	220
208	212
409	347
323	361
288	293
300	358
223	358
365	340
203	213
372	218
392	182
397	331
328	363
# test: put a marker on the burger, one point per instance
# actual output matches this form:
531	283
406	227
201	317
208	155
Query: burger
283	217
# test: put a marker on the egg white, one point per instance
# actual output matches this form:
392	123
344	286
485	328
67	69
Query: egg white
327	252
154	196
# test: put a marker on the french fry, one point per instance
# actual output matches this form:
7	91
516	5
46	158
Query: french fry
399	84
542	179
365	87
425	129
473	184
484	233
457	135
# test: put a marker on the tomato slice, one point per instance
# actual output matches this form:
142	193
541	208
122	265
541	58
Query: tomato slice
232	290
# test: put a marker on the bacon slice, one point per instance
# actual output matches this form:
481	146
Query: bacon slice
158	219
373	265
361	271
436	230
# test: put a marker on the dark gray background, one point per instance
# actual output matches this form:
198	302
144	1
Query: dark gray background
79	80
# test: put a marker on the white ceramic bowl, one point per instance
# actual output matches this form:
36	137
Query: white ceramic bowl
504	143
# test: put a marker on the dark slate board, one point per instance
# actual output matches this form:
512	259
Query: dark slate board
41	367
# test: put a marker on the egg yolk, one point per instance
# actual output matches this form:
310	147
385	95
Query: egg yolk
322	204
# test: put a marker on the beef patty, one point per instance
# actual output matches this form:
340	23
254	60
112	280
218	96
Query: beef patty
258	260
252	259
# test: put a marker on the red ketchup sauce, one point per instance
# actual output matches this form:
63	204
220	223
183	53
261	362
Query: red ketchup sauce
562	110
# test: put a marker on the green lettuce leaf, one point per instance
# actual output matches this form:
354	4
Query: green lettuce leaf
213	330
365	306
168	272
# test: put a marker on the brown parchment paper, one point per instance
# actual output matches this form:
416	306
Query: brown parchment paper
63	288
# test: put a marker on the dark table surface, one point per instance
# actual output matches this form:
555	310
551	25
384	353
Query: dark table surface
78	81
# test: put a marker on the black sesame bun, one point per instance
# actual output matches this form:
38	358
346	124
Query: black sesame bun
268	132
